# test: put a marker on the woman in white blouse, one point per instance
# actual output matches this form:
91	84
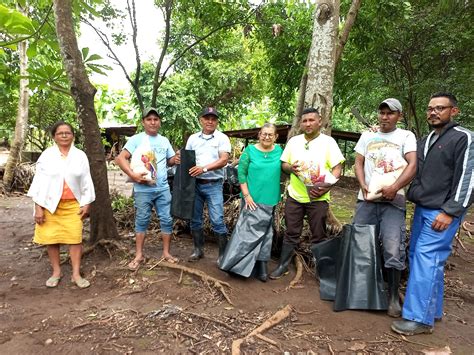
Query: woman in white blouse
62	191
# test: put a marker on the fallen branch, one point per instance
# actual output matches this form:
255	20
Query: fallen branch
269	323
205	277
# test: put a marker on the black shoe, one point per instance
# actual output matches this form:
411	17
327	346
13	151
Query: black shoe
285	258
394	308
262	270
222	241
408	327
198	240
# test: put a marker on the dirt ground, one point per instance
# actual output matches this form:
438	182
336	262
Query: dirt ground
159	309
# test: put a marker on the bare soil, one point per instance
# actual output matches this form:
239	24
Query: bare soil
159	309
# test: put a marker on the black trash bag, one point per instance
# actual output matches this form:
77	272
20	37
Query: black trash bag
251	240
182	201
359	270
326	254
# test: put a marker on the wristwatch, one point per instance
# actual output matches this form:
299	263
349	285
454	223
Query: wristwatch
204	170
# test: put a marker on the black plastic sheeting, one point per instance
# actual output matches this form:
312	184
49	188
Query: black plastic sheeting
182	202
350	269
251	240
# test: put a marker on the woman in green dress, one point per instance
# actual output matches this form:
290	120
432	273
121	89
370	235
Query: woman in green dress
259	177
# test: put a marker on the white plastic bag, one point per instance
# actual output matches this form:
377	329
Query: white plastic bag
143	161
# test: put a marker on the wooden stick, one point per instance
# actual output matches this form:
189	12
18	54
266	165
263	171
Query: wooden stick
211	320
205	277
269	323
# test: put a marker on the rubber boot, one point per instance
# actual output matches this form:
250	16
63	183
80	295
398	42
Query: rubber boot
285	258
198	240
222	241
394	309
262	270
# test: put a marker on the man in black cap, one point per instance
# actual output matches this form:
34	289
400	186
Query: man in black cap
385	163
212	149
150	154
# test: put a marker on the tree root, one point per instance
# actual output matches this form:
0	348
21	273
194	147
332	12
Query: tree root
218	284
104	243
299	272
269	323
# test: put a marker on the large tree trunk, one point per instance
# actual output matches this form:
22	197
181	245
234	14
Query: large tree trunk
322	59
102	220
21	125
327	44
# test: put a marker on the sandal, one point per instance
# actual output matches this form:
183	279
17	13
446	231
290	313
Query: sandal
134	265
53	281
81	282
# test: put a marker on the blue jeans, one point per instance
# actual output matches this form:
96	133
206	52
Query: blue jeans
212	194
429	250
144	203
391	226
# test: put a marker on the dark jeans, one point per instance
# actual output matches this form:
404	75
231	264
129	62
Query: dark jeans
294	217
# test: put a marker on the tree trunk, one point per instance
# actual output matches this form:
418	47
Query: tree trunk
21	126
322	59
82	91
327	44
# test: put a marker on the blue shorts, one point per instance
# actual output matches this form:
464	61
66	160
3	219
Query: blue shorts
144	203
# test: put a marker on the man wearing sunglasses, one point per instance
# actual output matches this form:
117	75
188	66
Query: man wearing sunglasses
309	158
442	192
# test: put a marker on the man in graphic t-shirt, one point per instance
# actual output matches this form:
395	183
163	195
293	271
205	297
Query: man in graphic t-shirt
385	163
150	154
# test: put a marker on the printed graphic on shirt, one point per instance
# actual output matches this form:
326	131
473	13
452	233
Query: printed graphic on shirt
144	161
385	156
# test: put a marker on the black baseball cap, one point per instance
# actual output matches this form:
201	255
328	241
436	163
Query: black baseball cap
209	111
149	110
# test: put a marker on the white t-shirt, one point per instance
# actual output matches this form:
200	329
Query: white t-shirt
384	152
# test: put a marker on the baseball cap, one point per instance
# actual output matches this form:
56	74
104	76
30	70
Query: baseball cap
149	110
393	104
209	111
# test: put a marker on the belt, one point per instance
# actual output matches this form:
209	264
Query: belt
207	181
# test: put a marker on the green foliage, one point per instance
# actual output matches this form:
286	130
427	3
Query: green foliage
408	50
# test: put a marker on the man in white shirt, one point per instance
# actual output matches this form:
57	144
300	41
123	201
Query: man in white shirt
388	156
212	149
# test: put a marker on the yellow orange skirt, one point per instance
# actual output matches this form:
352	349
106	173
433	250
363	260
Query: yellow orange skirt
64	226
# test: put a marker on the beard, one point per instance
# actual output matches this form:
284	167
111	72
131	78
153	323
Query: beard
438	124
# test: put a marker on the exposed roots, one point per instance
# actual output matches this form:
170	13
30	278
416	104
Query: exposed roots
277	318
299	272
218	284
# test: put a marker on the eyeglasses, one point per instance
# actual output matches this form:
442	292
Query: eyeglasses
64	134
269	135
306	146
437	109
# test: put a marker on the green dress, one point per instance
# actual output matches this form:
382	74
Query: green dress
261	171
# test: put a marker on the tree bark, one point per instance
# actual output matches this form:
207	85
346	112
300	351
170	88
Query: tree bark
322	56
83	92
21	126
344	36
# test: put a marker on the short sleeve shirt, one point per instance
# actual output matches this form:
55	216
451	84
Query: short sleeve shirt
161	150
322	154
385	151
207	148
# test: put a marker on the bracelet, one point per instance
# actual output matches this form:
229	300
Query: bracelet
245	196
